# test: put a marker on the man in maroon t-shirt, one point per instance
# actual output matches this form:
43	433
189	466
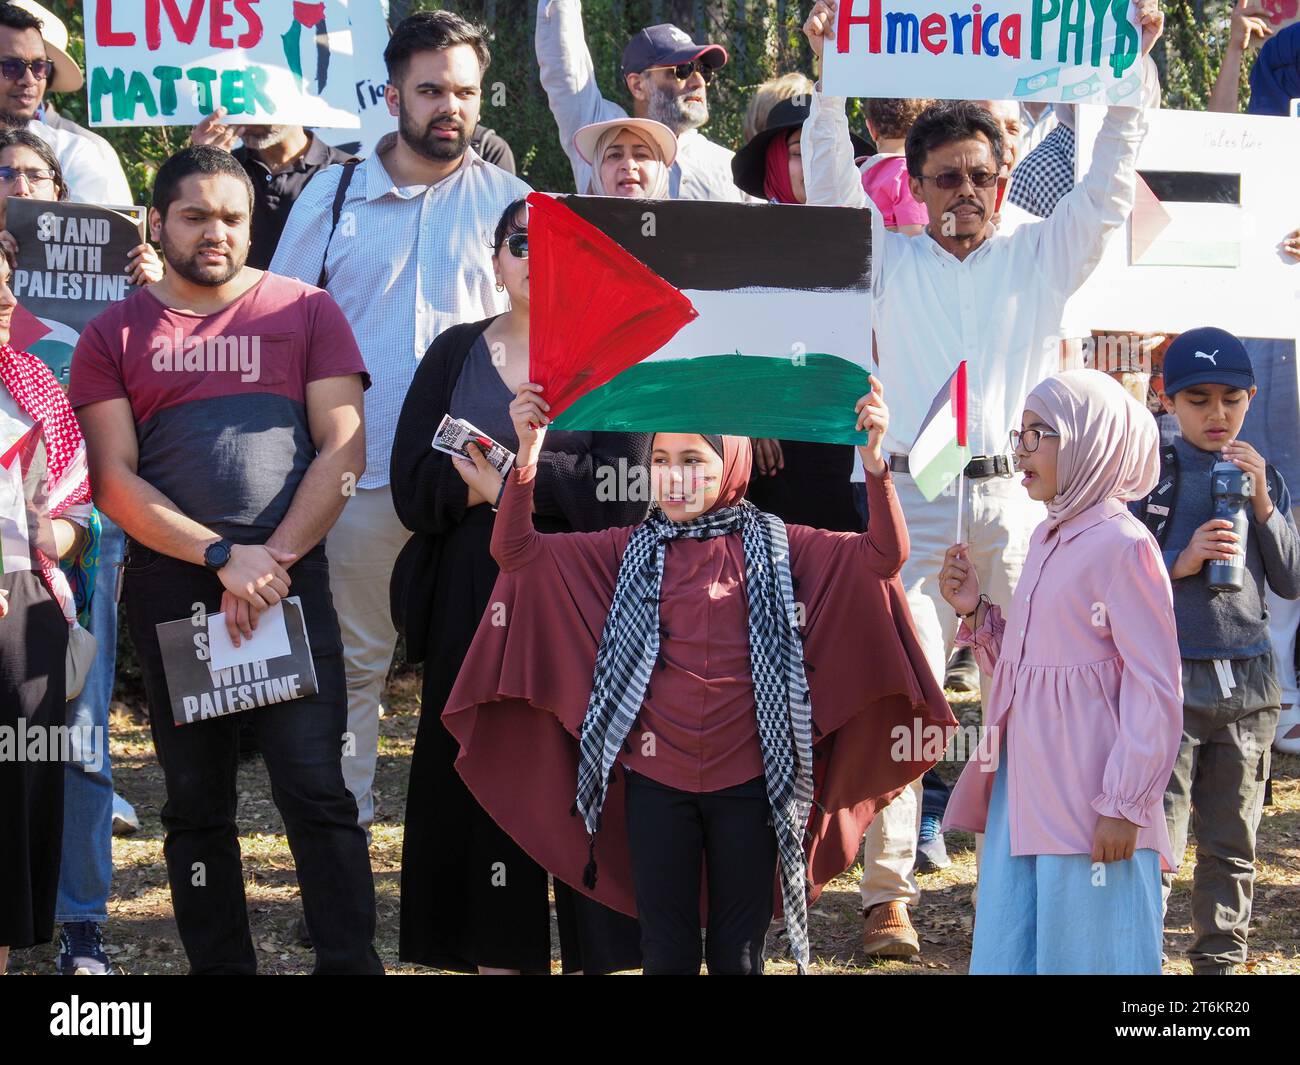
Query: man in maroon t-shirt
222	414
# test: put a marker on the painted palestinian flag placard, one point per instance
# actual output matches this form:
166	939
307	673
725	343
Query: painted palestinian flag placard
1214	197
1186	218
691	316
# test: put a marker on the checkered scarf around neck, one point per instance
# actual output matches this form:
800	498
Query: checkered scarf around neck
37	393
629	648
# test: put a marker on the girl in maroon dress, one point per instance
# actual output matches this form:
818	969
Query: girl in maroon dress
722	693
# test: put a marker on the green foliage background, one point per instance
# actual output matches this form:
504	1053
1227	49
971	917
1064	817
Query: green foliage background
763	38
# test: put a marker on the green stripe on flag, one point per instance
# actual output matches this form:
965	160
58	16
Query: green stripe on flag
806	398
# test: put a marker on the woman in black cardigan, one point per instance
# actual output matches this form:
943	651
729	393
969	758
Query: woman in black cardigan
471	899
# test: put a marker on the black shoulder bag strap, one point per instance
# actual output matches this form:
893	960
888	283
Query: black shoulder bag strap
336	212
1159	505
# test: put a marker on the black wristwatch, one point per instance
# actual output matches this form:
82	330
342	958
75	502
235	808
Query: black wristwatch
217	555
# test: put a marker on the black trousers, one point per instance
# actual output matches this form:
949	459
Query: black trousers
674	836
301	742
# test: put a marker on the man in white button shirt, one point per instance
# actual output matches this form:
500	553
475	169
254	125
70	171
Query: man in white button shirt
667	74
410	256
28	68
963	290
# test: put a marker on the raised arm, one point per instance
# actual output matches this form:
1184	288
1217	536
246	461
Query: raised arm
1072	238
569	77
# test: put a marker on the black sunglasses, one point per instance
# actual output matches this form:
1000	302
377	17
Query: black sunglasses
13	69
518	245
953	179
682	71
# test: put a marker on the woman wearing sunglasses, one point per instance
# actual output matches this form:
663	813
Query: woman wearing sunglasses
472	900
30	170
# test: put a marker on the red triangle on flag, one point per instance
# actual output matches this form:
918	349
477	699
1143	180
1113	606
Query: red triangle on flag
25	329
1147	222
595	308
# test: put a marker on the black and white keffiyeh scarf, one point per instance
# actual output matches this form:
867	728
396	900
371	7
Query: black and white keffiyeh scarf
629	648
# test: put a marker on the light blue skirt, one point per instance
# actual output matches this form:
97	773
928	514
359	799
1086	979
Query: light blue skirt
1060	913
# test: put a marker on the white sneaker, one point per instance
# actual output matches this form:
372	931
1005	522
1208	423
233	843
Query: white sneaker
1287	740
125	821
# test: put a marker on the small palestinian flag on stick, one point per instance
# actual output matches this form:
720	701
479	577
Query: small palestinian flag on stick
940	452
690	316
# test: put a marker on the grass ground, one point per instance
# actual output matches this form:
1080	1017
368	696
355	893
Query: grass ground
142	935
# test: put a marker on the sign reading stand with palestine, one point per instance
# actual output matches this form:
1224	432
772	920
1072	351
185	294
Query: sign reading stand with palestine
173	62
72	260
1080	51
198	692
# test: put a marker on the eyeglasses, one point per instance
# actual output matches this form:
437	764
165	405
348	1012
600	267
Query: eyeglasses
952	179
682	71
13	69
8	175
1029	439
517	243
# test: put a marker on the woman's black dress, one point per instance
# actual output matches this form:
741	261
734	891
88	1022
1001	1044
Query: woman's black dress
33	643
470	896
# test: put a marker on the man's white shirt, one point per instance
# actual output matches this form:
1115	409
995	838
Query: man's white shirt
91	176
1000	308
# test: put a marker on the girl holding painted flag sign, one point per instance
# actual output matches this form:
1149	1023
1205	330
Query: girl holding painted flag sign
706	670
1085	712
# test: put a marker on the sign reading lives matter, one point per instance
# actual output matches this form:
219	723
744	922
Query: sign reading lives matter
199	692
71	258
173	62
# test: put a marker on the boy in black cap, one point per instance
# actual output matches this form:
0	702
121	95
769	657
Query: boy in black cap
1230	690
667	74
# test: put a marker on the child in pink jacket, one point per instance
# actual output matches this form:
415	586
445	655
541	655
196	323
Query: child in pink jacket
1085	711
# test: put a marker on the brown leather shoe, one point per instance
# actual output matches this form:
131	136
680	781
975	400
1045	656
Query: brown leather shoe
888	933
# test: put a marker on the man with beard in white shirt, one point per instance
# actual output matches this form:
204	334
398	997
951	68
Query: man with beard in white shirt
668	76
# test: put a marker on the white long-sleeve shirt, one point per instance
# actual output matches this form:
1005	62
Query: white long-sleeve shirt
1000	307
702	169
92	174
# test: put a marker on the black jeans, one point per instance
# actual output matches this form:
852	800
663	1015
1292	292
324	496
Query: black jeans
301	742
671	834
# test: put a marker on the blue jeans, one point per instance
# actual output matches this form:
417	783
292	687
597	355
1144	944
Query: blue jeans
87	869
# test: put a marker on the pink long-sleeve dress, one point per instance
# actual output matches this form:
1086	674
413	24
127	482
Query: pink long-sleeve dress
1087	690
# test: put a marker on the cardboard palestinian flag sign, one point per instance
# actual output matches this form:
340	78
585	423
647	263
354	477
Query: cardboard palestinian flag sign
1186	218
698	317
25	528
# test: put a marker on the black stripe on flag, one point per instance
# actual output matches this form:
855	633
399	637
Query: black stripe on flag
695	244
1189	186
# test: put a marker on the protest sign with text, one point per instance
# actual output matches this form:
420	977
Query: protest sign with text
172	62
72	260
1202	245
1059	50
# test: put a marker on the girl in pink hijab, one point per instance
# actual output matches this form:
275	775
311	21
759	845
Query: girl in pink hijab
1085	711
